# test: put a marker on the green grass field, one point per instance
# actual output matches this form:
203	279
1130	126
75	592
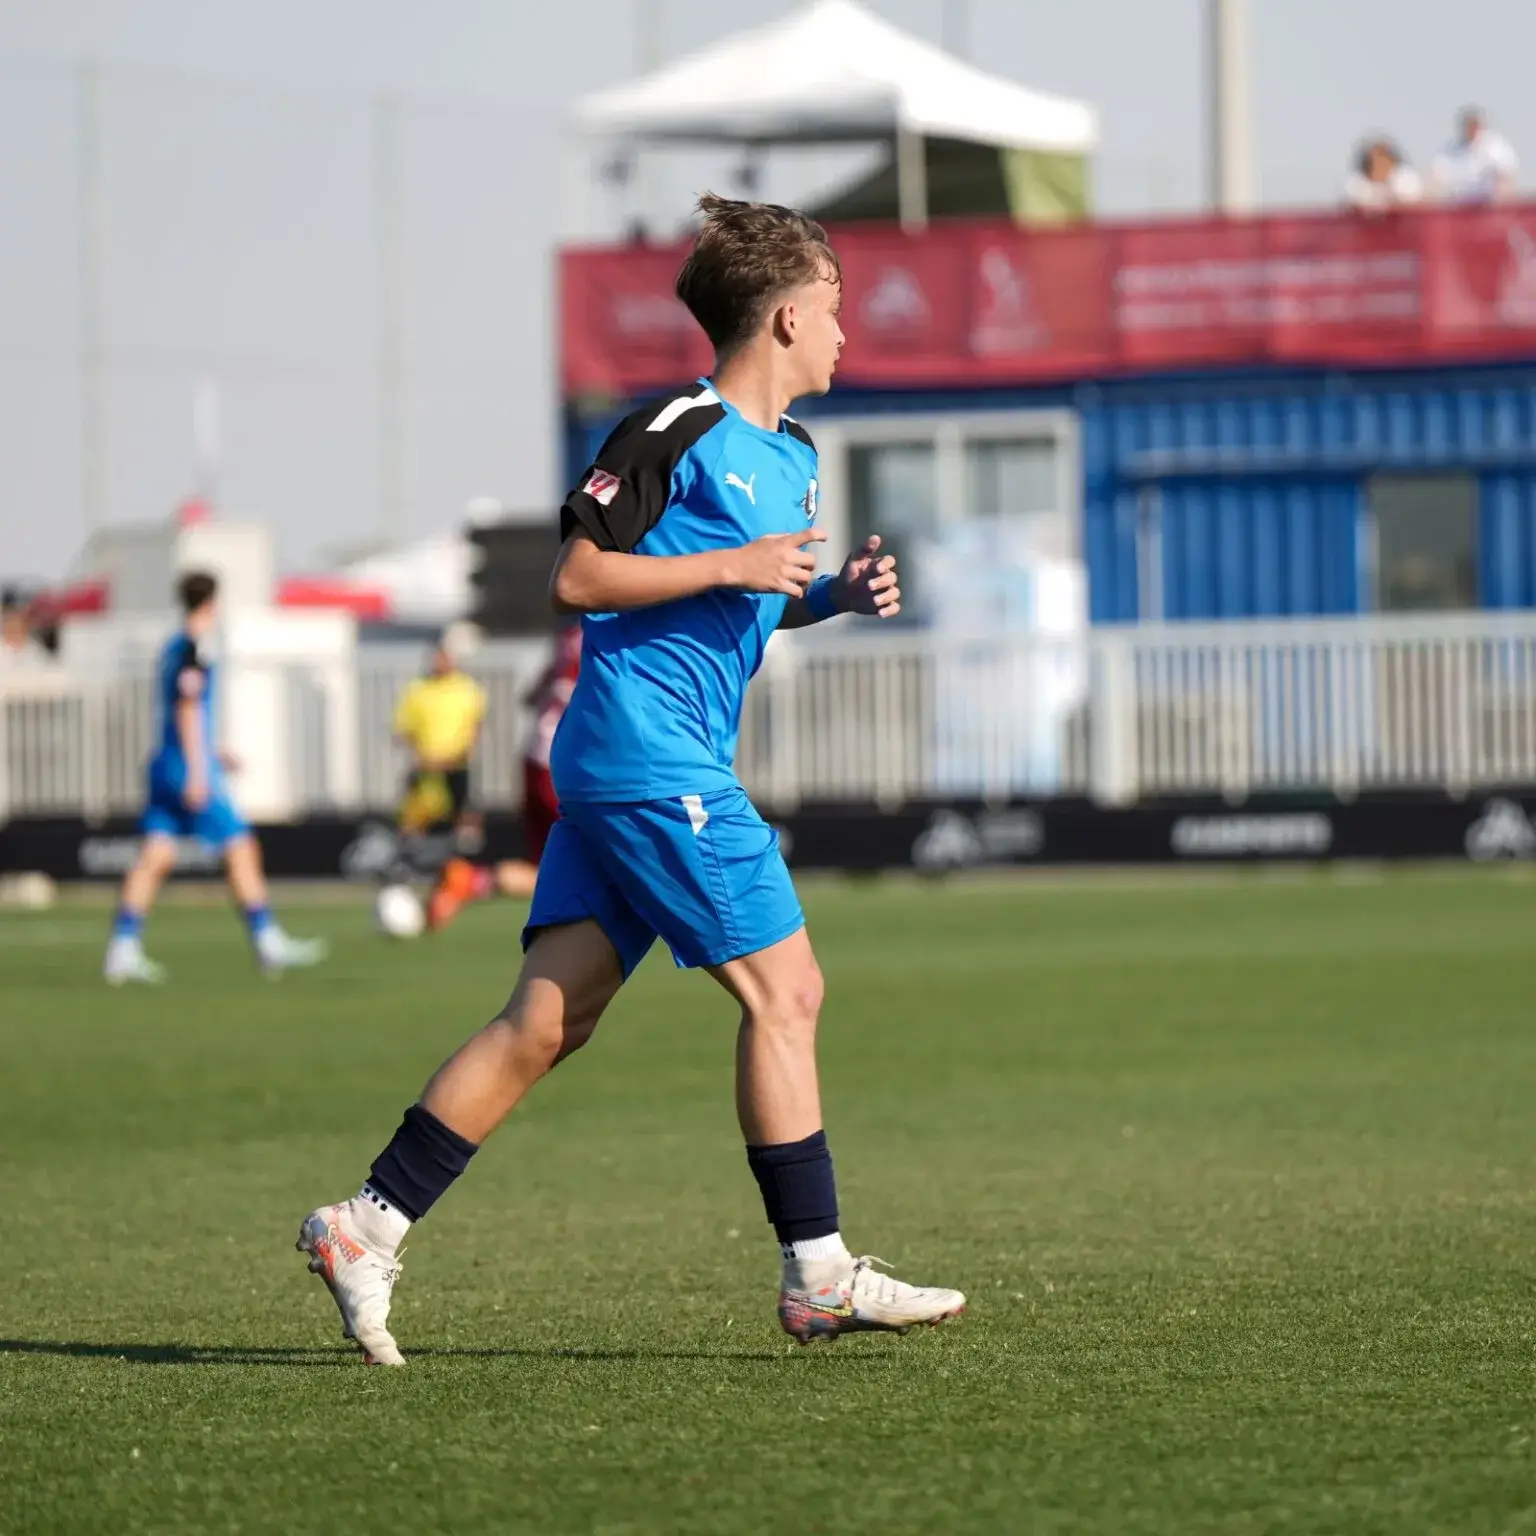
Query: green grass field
1238	1174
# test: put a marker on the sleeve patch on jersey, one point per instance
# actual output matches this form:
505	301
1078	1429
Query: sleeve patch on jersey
602	487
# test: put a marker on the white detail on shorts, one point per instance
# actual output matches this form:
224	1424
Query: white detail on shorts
668	414
698	817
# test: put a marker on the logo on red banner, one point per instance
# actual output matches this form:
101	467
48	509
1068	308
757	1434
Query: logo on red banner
638	316
602	487
1517	290
1003	321
895	302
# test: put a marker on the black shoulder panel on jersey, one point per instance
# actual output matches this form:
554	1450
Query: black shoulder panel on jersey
624	492
796	430
187	655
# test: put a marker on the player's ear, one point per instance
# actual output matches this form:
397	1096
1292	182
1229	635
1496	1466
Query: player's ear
785	322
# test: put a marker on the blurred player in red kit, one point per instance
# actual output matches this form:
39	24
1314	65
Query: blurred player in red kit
461	881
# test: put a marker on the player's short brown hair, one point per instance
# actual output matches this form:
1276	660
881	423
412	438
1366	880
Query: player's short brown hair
194	589
746	257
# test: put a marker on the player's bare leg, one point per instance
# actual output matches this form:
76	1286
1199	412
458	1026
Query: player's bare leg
826	1291
569	977
276	950
125	959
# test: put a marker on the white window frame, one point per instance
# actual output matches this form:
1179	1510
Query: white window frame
948	431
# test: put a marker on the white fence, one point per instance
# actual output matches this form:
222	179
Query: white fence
891	716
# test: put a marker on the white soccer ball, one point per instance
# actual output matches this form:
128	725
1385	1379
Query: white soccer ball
397	910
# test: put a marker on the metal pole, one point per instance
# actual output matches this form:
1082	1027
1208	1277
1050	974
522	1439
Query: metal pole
1233	185
389	237
648	54
955	27
93	393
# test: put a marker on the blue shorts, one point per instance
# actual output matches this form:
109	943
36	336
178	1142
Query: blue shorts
169	815
703	872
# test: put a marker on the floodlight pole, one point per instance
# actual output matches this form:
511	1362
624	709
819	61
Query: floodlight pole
389	277
648	54
954	26
1233	187
93	220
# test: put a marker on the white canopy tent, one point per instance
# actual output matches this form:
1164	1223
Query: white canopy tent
833	72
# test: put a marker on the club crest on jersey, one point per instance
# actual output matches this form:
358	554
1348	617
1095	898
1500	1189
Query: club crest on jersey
808	502
602	487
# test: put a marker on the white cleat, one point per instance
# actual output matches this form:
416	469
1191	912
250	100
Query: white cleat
826	1299
361	1280
279	951
126	961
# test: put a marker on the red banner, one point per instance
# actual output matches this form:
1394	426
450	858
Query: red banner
985	303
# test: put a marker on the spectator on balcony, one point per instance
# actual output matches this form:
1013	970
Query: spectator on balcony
1382	179
19	649
1480	167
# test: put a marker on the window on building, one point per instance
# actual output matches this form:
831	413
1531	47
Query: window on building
893	490
1018	479
914	478
1426	542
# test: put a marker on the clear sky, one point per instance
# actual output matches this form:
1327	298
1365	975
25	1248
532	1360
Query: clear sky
238	229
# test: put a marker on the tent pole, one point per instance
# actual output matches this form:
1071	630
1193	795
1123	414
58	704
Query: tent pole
911	181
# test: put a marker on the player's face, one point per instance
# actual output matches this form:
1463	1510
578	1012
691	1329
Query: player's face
818	336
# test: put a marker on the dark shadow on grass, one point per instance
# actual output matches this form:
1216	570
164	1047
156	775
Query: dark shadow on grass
239	1354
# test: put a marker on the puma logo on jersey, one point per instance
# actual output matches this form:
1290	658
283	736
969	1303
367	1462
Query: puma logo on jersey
732	478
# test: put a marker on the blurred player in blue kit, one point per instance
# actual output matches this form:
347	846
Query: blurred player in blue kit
188	796
684	549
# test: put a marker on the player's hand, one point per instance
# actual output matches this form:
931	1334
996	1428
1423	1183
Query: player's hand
778	562
196	793
230	763
867	582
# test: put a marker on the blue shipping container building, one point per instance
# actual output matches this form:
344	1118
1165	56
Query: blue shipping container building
1211	495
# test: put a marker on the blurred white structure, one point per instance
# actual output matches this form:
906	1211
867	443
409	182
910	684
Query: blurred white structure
1336	705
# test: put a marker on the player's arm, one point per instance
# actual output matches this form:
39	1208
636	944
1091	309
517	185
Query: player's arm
621	498
477	724
592	580
404	725
191	693
867	584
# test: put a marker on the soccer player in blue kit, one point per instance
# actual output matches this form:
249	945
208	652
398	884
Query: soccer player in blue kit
188	797
684	549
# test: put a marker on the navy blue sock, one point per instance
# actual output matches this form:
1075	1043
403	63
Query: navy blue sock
258	919
128	924
421	1161
799	1190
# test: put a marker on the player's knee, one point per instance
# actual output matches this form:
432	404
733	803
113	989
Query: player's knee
793	1001
575	1034
533	1028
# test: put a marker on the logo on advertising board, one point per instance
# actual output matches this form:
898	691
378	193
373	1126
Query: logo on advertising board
1517	281
895	302
115	856
1503	831
1003	319
649	317
952	840
1285	835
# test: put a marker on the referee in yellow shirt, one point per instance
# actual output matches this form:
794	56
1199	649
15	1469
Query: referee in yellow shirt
438	718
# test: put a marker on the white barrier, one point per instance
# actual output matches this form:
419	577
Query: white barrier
887	716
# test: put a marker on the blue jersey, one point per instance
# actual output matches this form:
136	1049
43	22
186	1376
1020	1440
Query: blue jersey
184	674
657	707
